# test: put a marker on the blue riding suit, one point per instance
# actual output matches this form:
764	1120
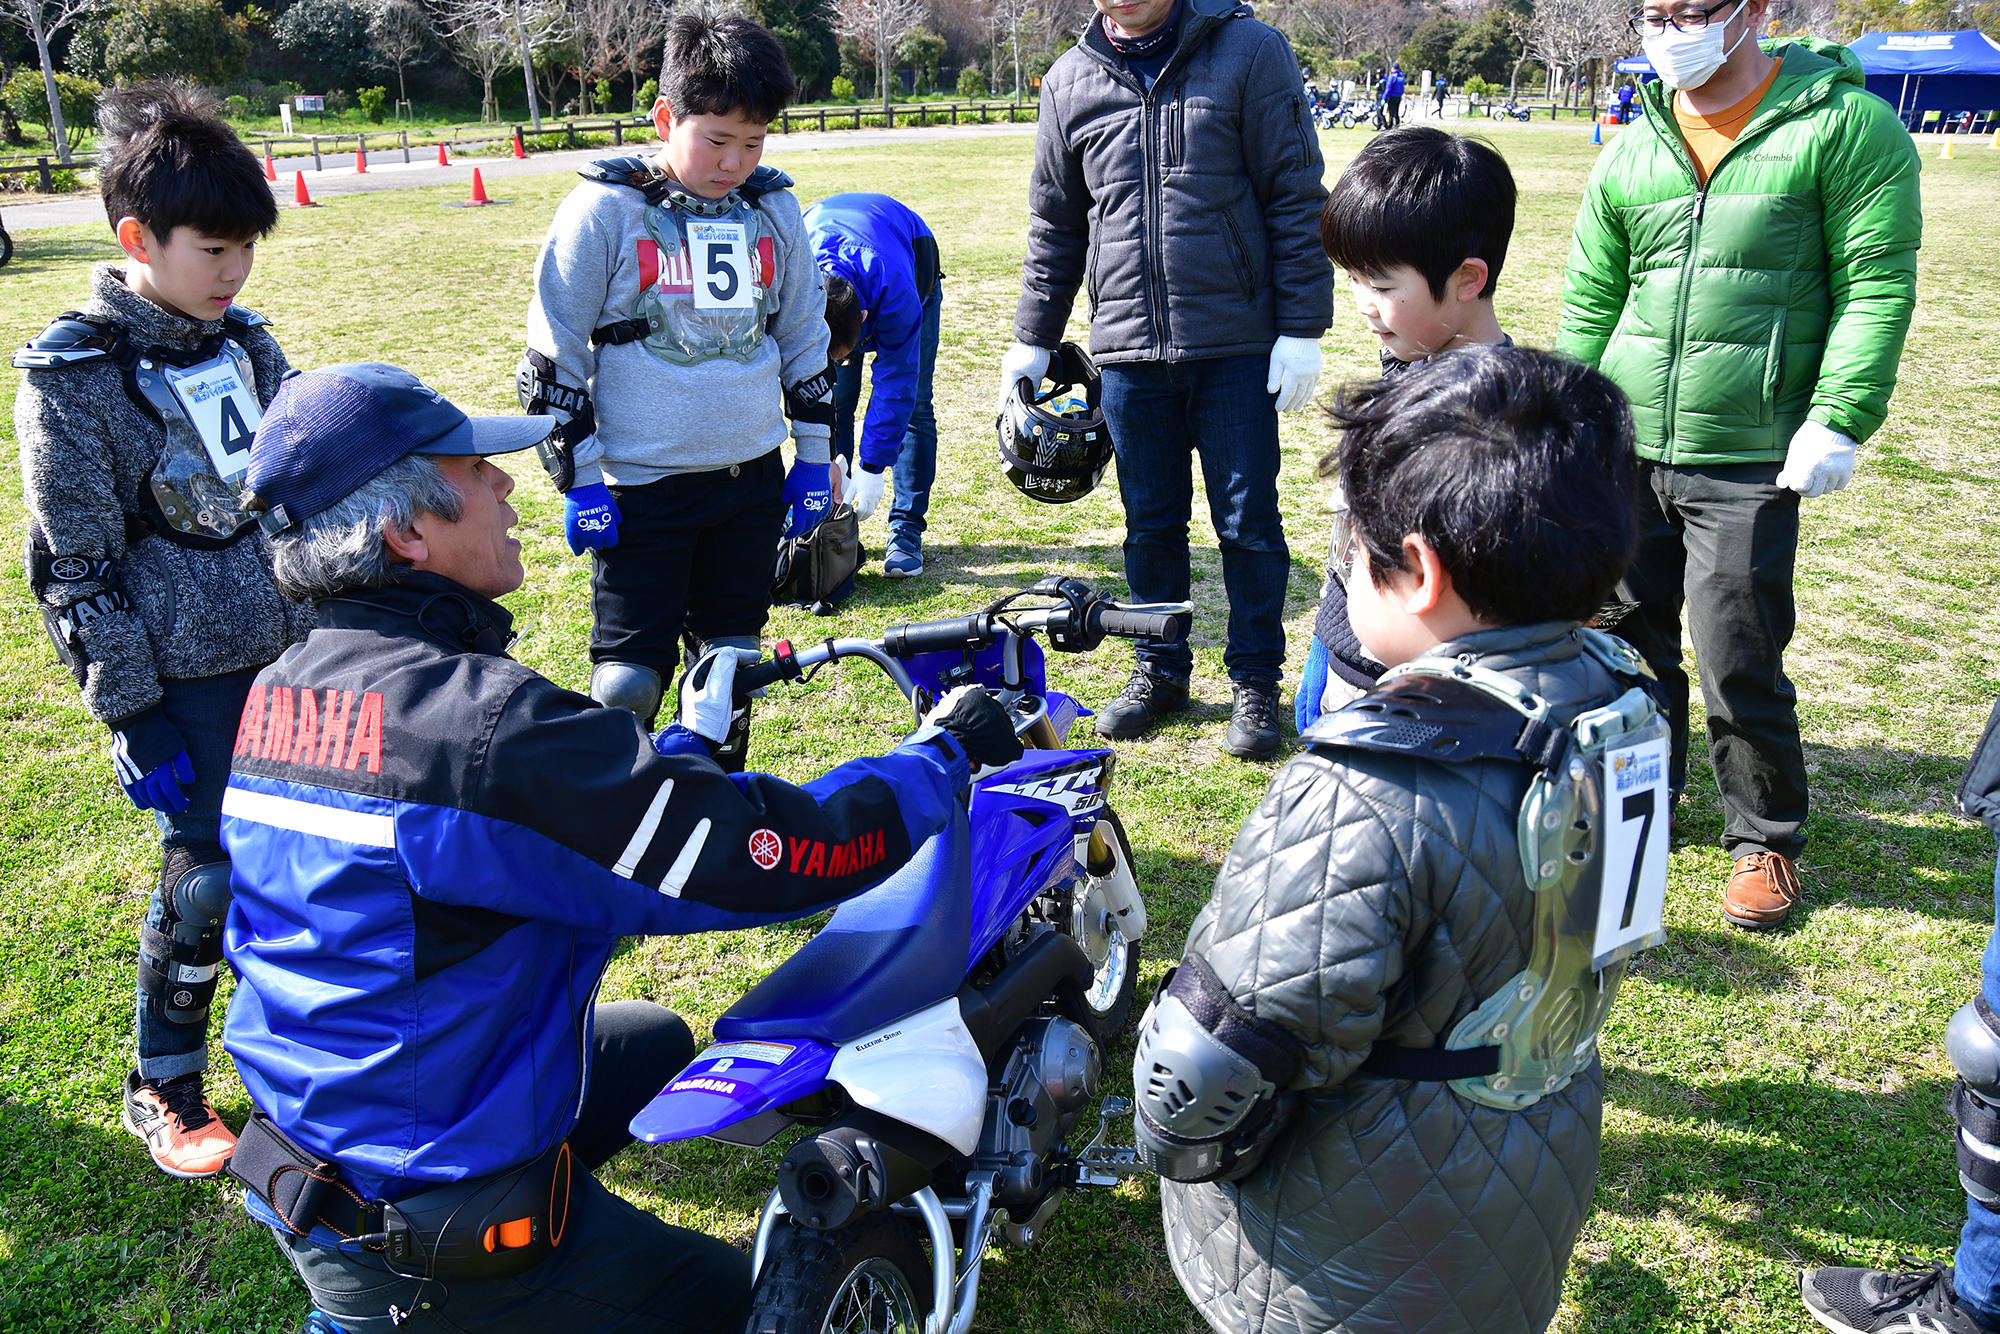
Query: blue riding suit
436	850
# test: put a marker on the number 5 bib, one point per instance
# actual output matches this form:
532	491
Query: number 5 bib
707	270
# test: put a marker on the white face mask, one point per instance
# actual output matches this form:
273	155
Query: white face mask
1690	59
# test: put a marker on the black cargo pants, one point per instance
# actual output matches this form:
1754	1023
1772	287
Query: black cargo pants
1723	541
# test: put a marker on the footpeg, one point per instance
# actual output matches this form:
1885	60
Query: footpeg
1104	1164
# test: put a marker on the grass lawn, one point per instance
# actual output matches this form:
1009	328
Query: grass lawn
1775	1100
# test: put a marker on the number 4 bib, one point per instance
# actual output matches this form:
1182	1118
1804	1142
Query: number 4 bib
223	410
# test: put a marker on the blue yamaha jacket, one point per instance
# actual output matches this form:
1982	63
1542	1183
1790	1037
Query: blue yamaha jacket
434	850
870	240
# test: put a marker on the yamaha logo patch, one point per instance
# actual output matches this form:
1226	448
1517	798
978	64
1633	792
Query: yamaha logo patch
766	848
70	569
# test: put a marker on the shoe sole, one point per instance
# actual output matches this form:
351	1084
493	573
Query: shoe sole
125	1116
902	574
1753	924
1253	752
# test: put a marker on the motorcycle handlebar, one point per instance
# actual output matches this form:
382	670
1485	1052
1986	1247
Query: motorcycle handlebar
906	641
1107	619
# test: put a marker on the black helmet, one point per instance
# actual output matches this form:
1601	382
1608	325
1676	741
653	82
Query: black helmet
1055	451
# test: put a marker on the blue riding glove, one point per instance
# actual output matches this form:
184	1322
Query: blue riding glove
808	496
1312	685
151	759
590	518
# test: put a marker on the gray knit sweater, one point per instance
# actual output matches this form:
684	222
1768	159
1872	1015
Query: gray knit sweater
655	418
86	450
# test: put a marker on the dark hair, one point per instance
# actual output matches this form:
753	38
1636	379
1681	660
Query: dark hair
1515	465
719	60
1421	197
843	312
169	161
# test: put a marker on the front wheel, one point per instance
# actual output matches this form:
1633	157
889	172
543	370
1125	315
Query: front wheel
867	1278
1114	960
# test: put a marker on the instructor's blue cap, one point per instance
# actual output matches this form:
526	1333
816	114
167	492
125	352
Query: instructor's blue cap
330	431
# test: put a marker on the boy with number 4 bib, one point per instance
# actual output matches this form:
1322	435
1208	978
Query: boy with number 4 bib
678	331
134	421
1372	1081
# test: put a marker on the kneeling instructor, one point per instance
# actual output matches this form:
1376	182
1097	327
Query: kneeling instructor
435	851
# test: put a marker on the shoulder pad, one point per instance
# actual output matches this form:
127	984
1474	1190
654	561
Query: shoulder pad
70	340
764	181
1428	718
632	171
242	317
1615	655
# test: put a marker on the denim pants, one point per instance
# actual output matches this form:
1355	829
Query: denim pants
916	461
206	711
619	1268
1723	541
1161	412
1978	1264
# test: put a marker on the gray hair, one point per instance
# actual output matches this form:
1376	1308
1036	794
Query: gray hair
340	549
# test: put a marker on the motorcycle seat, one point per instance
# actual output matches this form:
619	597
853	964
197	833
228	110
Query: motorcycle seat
886	953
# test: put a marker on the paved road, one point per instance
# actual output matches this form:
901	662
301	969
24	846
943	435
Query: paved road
388	171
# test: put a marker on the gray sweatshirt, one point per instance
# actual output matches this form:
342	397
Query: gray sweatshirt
655	418
86	449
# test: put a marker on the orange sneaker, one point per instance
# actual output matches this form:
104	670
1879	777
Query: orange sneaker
182	1132
1763	889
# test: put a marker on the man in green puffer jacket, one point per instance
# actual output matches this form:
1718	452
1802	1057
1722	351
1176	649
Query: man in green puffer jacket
1744	269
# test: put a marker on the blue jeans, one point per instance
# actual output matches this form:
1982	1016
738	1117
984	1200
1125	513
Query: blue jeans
1159	412
1978	1263
916	461
206	711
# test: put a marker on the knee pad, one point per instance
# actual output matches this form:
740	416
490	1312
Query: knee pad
180	960
1972	1042
627	685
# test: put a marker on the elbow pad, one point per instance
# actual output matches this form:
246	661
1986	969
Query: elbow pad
1211	1079
811	399
60	586
542	394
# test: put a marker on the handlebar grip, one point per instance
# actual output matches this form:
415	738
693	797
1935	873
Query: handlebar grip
1134	624
906	641
758	675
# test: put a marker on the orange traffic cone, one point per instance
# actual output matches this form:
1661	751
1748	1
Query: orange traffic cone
479	199
360	162
520	150
300	199
443	161
270	167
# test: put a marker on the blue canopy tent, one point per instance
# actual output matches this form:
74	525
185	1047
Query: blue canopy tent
1921	72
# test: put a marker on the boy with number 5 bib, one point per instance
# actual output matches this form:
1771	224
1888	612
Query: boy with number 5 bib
134	421
1372	1081
678	331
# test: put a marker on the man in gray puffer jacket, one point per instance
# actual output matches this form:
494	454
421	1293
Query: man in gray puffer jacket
1178	179
1375	900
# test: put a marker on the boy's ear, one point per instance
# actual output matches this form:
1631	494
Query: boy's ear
133	236
1468	280
663	117
1427	582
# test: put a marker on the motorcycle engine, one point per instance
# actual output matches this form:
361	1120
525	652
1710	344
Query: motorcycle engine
1049	1078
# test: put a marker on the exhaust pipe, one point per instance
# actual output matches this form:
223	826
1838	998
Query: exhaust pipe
842	1173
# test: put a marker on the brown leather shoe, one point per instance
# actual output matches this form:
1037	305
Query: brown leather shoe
1763	888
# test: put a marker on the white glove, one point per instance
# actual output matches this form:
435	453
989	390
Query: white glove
866	491
1021	363
1819	459
708	699
1295	364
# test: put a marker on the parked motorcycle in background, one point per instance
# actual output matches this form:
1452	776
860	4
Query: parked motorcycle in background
943	1033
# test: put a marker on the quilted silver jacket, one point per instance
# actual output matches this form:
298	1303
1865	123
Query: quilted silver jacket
1377	898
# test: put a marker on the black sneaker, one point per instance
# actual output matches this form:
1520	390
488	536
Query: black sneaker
1920	1300
1253	722
1148	696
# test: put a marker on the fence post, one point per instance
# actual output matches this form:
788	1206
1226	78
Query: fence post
315	143
48	181
954	113
822	120
569	134
406	145
618	129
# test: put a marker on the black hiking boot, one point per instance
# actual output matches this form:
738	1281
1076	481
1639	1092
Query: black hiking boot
1253	722
1148	696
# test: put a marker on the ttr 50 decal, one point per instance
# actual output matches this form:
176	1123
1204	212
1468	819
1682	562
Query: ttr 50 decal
1077	788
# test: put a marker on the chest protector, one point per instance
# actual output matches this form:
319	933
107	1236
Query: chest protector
205	400
1592	835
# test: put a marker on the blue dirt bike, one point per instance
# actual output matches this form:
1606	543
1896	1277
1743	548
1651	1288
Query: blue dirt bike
942	1034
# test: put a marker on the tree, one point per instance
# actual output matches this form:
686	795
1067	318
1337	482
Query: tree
477	33
879	26
1353	29
802	27
400	33
921	49
1486	49
22	95
44	21
1010	16
150	39
1565	34
1430	45
330	35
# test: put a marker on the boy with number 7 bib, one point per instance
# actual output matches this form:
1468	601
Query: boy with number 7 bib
678	332
134	421
1372	1081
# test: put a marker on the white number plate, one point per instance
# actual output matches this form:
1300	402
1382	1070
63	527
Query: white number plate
719	253
224	412
1635	851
